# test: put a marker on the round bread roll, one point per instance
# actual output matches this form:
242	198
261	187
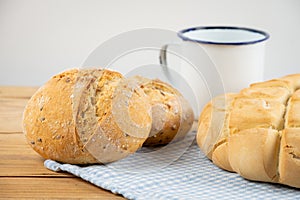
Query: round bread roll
172	116
77	117
256	133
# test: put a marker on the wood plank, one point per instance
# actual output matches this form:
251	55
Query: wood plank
45	188
17	92
17	158
12	104
11	112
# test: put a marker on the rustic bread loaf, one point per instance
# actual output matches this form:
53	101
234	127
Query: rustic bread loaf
76	117
256	133
84	116
172	116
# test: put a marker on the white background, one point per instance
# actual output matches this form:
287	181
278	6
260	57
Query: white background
41	38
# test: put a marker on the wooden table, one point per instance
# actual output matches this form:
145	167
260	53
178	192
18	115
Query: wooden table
22	172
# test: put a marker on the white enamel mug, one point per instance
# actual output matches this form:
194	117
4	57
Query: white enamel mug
236	52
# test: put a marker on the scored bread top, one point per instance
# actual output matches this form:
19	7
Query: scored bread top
252	134
114	135
48	121
71	118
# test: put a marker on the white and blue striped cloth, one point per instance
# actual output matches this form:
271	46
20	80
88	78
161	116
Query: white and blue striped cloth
179	171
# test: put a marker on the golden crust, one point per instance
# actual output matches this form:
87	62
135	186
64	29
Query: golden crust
253	153
213	123
172	115
292	118
255	113
70	119
48	121
285	83
279	94
289	159
252	145
220	155
85	116
294	79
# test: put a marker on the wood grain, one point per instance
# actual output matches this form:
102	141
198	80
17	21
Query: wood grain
17	92
22	171
46	188
11	112
12	104
18	159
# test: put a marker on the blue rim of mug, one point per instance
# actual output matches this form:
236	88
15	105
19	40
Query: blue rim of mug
182	32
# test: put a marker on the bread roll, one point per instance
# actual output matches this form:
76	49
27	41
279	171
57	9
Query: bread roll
77	117
172	116
256	133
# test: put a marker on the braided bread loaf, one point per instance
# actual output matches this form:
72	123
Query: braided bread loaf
256	132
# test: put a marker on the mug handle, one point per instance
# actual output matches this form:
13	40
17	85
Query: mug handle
163	55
